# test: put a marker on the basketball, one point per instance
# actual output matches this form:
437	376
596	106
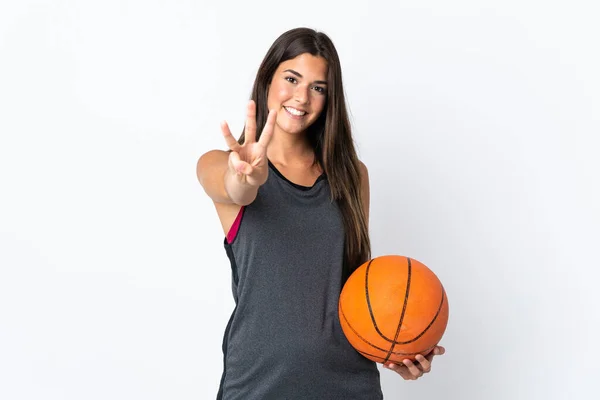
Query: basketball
392	308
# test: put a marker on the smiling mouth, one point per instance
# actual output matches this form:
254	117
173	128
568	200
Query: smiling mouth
294	112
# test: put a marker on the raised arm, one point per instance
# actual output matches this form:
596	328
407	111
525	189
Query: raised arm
234	177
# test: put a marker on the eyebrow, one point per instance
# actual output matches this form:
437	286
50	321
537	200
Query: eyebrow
300	76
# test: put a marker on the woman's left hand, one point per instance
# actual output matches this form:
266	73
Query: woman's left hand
411	371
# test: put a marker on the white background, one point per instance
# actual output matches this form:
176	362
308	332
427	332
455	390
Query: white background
478	120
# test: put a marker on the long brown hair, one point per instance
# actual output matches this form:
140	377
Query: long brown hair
330	135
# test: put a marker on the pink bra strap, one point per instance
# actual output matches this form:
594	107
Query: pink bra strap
236	225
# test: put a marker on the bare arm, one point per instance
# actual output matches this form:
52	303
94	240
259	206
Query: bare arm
220	182
234	177
365	190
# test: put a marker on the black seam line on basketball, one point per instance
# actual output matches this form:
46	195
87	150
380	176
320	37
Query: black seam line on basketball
406	295
431	323
369	301
373	315
400	353
398	361
358	334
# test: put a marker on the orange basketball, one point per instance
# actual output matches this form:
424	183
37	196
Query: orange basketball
392	308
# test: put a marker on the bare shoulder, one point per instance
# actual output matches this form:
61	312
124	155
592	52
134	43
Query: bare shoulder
364	172
208	161
210	170
364	188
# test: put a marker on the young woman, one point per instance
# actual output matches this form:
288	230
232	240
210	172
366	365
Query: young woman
293	200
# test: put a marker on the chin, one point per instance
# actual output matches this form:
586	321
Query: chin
292	128
293	131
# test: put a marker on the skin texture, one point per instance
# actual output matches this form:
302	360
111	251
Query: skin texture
298	83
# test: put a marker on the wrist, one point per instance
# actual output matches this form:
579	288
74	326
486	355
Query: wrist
239	190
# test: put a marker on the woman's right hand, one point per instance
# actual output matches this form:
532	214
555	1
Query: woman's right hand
248	161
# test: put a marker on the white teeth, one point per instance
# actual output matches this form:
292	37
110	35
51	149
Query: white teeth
293	111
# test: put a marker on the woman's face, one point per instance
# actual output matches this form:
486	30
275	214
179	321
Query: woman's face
298	92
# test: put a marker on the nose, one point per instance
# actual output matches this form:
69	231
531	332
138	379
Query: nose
301	95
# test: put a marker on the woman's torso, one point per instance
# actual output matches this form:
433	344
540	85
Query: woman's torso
284	340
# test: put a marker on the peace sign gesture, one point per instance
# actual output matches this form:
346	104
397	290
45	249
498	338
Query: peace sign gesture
249	160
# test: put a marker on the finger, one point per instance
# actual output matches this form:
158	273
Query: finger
239	166
394	367
250	128
437	351
229	139
257	161
425	363
267	133
414	370
401	370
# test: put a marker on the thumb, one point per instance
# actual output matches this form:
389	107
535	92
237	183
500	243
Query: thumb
437	351
239	166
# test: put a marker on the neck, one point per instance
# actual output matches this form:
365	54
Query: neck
289	149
